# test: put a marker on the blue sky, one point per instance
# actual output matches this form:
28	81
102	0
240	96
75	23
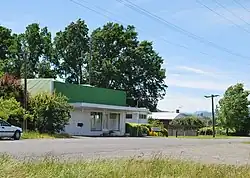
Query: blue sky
190	74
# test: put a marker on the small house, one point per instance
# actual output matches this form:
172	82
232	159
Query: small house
166	117
97	111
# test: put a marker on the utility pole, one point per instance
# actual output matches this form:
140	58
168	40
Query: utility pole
90	59
25	89
213	118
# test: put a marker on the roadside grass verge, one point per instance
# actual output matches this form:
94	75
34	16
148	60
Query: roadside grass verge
205	137
246	142
37	135
126	168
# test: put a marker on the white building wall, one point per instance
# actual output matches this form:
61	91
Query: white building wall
135	118
83	116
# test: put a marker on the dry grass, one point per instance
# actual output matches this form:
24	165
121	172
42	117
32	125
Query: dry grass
125	168
37	135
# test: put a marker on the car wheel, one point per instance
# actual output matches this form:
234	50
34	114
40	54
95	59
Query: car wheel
17	135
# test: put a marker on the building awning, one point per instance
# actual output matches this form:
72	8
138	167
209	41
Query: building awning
109	107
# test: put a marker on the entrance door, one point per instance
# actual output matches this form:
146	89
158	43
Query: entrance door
114	121
105	125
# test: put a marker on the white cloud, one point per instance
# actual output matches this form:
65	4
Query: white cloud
196	70
191	69
197	84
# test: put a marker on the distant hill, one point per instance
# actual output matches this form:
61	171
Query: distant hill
203	114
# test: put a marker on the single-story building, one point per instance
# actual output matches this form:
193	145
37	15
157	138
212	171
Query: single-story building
167	117
96	110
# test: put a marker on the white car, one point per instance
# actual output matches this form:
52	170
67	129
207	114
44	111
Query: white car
9	131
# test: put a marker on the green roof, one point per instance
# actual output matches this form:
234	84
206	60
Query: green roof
89	94
78	93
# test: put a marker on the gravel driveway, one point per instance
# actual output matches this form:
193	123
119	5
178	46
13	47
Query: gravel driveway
229	151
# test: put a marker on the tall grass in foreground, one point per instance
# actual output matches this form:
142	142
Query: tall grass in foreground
126	168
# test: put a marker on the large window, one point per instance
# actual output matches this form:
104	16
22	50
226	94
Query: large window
114	121
142	116
96	121
129	116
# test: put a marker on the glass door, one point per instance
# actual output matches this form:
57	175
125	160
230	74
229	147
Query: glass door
105	121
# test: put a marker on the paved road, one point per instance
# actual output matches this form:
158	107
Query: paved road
229	151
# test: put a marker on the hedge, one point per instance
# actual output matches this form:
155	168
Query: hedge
133	129
218	130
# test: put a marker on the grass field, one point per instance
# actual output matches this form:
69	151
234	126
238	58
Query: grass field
205	137
132	168
36	135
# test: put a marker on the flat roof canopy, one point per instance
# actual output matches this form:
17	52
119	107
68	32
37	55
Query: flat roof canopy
110	107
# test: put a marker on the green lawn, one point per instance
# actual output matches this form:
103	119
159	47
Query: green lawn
205	137
246	142
130	168
37	135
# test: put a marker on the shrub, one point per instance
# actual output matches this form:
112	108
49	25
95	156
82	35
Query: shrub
218	130
189	122
10	87
51	112
164	132
152	133
12	111
205	131
136	129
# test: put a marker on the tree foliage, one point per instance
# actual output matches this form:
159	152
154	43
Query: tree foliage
51	112
7	48
10	87
120	61
10	108
189	122
233	111
34	46
72	50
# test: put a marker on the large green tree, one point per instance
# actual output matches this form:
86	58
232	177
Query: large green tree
72	46
35	46
233	111
120	61
7	48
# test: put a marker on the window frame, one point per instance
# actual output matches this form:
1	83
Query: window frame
93	119
142	116
119	120
129	114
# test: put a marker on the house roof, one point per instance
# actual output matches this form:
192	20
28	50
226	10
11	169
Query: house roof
109	107
166	115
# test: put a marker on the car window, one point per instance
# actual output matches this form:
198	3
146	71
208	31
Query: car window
4	123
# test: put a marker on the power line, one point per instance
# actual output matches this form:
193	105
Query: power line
166	41
161	38
179	29
241	5
235	15
238	26
86	7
